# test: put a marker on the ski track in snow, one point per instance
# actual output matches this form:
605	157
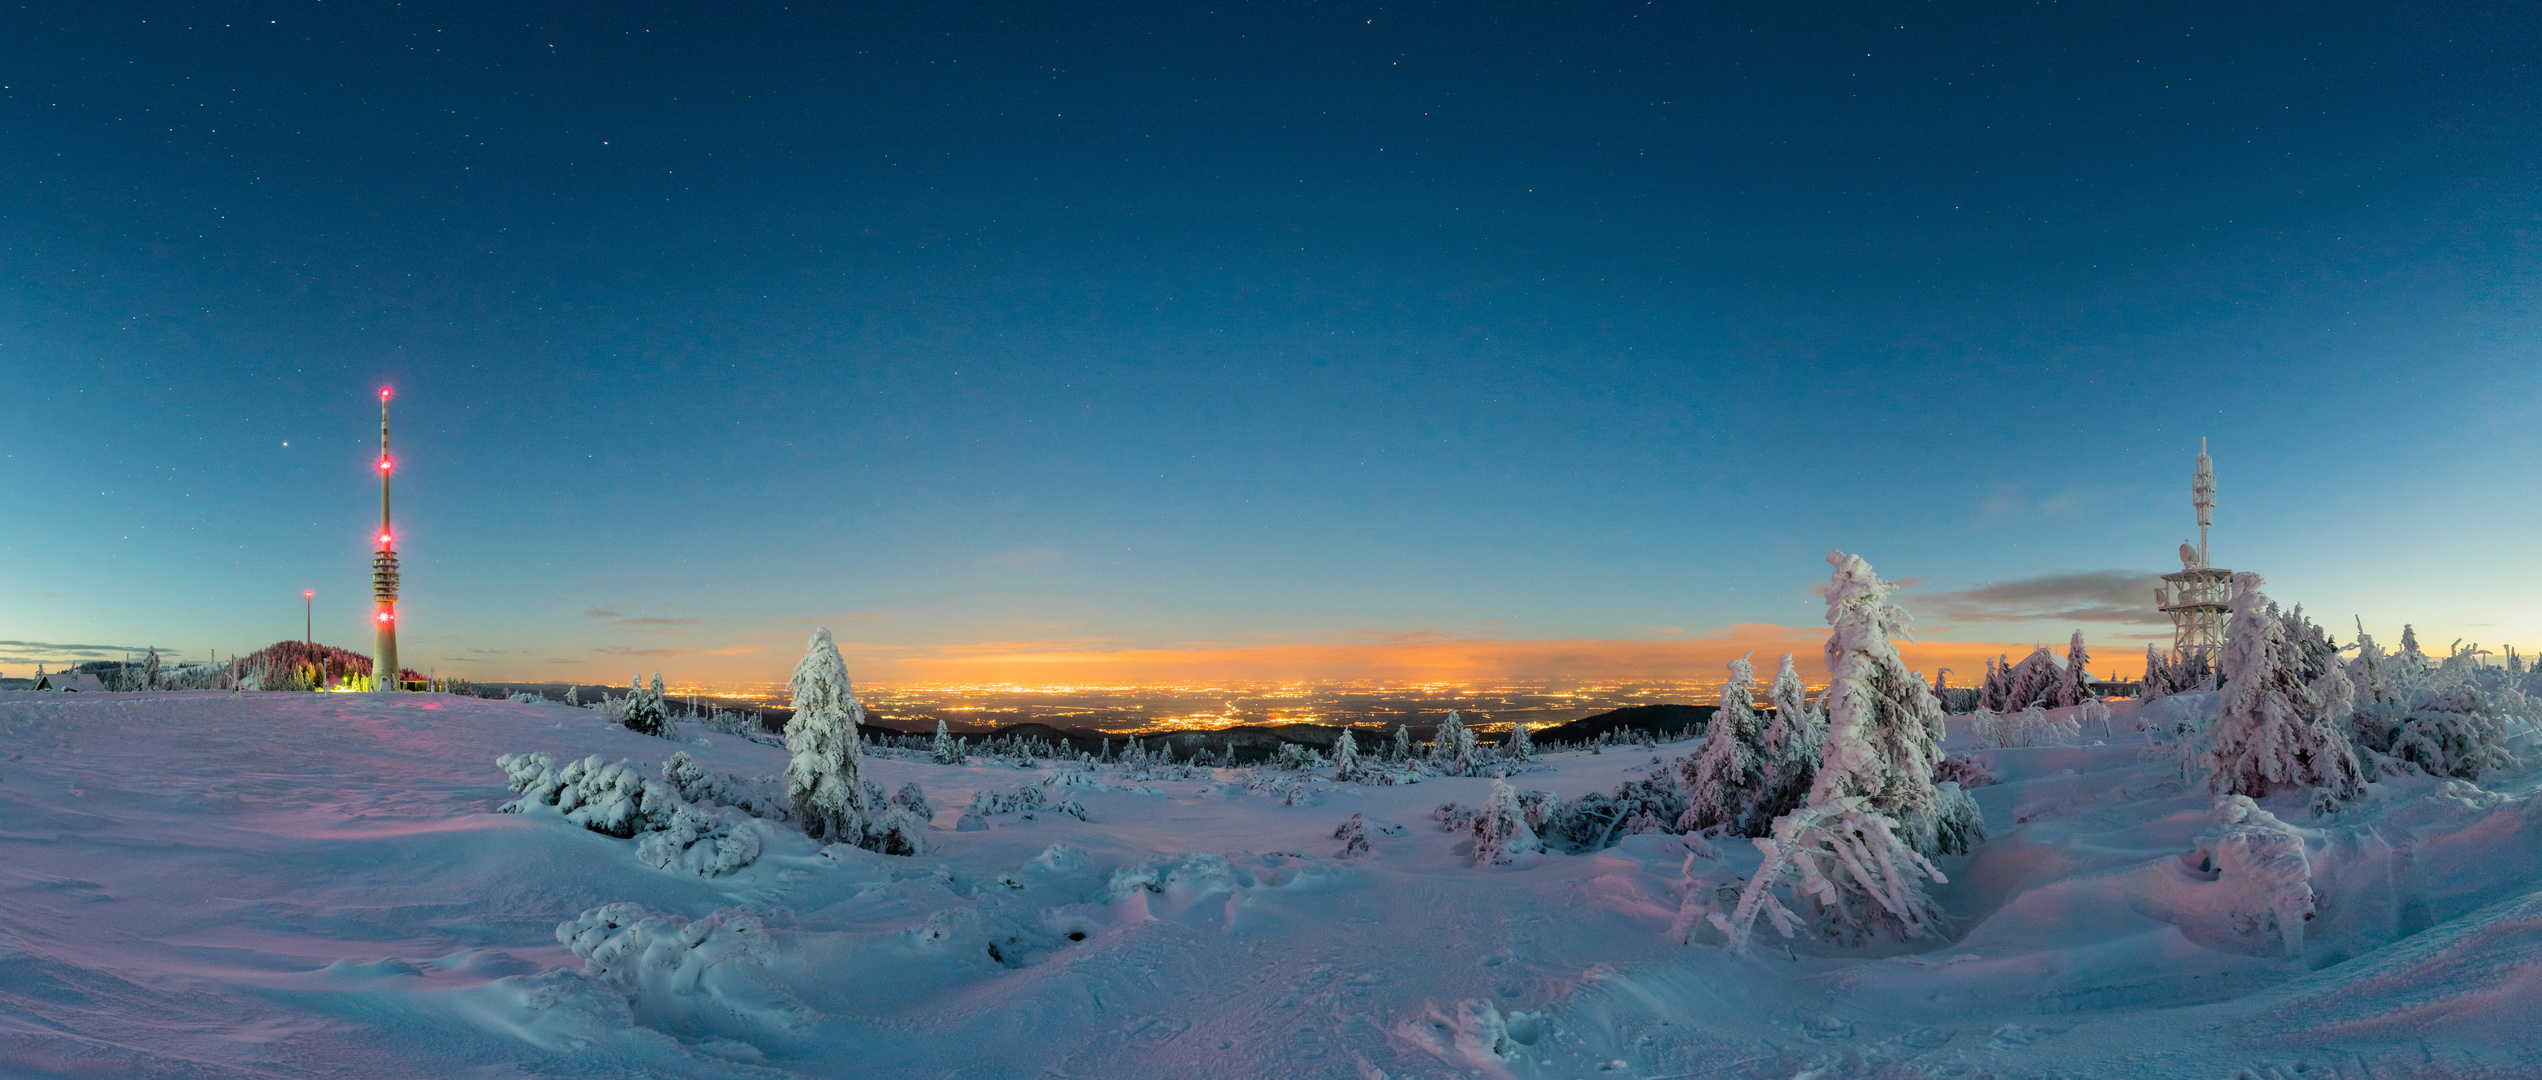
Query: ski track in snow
293	885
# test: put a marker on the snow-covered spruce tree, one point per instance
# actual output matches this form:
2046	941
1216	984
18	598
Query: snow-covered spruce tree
2411	658
1500	828
1403	743
2074	685
943	751
149	670
1860	849
1518	746
1723	781
825	778
2156	682
1453	746
646	713
1990	692
2033	681
1789	753
2271	730
1345	757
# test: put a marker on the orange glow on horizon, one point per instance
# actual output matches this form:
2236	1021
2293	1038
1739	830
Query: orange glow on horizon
1458	663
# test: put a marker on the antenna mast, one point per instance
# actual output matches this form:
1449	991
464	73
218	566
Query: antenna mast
2197	599
384	668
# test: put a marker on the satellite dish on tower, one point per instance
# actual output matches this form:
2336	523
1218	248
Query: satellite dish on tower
2188	556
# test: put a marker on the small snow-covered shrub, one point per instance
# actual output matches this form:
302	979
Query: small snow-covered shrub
2262	860
898	830
2029	727
1500	828
1030	800
1595	821
619	801
525	697
914	797
614	799
755	798
2095	716
1354	836
1454	818
625	946
703	976
700	843
1961	769
2457	732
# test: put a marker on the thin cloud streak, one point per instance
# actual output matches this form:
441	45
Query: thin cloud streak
2095	596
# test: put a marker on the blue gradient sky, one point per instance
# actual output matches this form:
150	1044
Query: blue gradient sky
989	331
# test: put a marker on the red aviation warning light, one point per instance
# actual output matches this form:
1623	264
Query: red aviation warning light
383	393
383	464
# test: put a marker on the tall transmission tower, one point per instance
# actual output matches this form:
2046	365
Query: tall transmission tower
384	667
2197	599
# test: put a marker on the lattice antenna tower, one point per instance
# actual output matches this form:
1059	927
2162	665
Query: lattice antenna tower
2197	599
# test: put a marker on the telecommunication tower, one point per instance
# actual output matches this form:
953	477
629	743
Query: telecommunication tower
384	667
2197	599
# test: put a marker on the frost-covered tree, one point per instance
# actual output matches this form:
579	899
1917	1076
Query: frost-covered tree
2157	681
150	670
646	712
2271	730
2033	681
1518	746
1500	828
1453	746
1990	692
825	777
1860	849
1345	757
2074	684
1789	752
1723	781
944	753
1403	743
1884	730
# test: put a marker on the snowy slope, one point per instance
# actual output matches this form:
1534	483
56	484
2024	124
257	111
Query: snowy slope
196	884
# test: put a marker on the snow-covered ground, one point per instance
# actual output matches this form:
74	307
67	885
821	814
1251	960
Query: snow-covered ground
201	884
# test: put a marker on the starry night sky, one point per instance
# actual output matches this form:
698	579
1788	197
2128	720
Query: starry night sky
991	331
